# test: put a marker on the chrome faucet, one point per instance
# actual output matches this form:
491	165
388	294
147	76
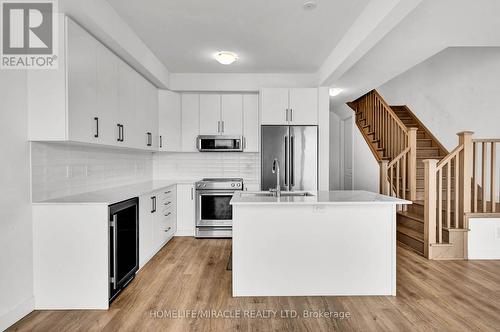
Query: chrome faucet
276	170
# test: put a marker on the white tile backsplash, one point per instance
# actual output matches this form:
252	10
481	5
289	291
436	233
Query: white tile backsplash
195	166
59	169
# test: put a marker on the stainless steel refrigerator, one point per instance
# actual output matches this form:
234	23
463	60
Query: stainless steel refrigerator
296	149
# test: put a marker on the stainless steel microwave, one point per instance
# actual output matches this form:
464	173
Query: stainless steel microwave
219	143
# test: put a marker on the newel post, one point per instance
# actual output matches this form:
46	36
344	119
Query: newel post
466	164
412	163
430	197
384	184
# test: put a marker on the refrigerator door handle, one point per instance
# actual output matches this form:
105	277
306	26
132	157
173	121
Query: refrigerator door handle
286	162
292	161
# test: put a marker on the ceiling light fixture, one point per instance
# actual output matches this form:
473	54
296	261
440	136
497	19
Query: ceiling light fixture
335	91
225	57
309	5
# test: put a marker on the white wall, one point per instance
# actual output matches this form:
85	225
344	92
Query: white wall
63	169
366	172
16	254
240	82
365	166
453	91
195	166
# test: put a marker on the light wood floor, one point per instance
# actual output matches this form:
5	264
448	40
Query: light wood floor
191	274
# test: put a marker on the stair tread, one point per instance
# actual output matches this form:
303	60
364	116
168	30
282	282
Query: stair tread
412	215
411	233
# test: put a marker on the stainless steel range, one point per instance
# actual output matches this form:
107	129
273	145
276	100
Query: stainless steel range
214	214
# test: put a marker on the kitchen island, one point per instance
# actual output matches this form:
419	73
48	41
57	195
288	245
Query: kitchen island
314	244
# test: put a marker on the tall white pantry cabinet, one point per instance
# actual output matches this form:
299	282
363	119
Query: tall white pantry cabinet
93	97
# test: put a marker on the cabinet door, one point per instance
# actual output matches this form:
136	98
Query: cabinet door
107	95
146	229
185	209
126	107
232	114
274	103
210	114
251	123
190	116
170	120
152	115
304	106
141	110
83	117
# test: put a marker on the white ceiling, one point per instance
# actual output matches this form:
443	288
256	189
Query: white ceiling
270	36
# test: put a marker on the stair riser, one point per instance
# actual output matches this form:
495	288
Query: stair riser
424	144
410	242
416	209
411	223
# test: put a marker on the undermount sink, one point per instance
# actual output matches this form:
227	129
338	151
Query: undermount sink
283	194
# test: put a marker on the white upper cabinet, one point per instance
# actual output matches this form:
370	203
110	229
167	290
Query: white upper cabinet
250	123
221	114
107	95
126	107
210	114
94	97
289	106
303	106
84	120
169	121
190	124
232	114
274	106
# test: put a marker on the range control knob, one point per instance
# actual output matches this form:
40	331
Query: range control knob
232	185
238	185
204	185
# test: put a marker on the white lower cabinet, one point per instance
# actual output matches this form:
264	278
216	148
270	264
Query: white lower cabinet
157	222
186	209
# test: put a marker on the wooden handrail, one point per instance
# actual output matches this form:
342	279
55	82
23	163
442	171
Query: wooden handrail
486	140
401	155
449	157
392	143
391	112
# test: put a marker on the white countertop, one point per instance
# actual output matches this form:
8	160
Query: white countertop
115	194
340	197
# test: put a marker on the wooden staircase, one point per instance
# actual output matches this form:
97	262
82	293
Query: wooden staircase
410	223
443	186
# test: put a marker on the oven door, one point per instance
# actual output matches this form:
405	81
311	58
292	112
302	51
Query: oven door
213	208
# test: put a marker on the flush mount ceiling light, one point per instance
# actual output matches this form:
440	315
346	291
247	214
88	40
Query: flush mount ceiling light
335	91
225	57
309	5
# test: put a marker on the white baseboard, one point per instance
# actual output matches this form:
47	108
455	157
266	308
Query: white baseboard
12	316
185	232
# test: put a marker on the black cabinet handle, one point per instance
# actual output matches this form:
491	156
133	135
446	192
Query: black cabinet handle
161	141
122	132
96	119
149	139
119	139
153	204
